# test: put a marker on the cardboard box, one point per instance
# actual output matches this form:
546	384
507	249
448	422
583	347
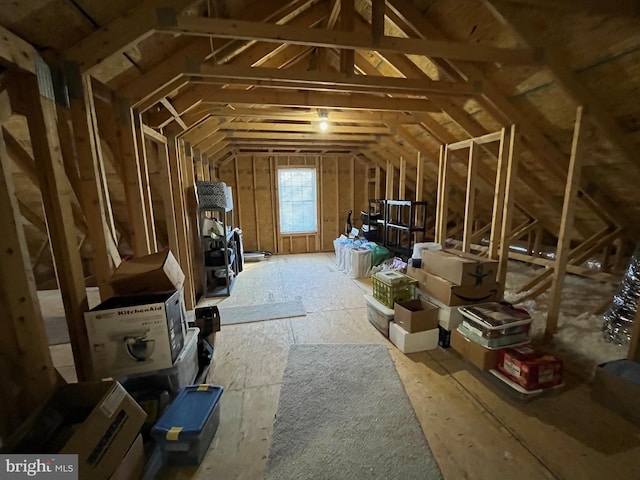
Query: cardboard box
616	385
529	368
132	465
135	334
460	268
448	317
413	342
481	357
416	315
455	295
98	421
158	272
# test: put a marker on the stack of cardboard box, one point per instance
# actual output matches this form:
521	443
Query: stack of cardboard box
140	337
450	279
415	326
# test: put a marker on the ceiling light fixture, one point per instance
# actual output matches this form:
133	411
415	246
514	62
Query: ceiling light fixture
324	124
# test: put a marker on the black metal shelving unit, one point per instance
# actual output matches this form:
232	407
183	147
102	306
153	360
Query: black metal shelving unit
214	286
401	222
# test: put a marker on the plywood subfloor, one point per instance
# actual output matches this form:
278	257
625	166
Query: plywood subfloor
474	431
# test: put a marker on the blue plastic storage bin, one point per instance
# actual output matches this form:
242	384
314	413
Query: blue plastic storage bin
185	430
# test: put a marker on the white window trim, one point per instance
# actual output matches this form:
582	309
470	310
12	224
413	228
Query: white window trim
317	205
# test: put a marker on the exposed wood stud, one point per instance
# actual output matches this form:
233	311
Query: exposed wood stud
389	183
56	196
499	196
177	190
402	176
28	373
566	224
92	189
469	210
377	20
509	199
143	165
125	131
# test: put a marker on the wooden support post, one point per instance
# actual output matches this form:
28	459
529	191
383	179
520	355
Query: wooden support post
144	178
377	186
125	131
166	188
377	20
92	196
206	169
420	174
183	253
347	24
254	174
197	161
402	179
443	195
389	182
469	206
566	225
36	95
537	242
28	375
498	198
507	213
191	209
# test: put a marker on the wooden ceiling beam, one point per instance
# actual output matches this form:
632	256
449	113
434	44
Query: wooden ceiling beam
349	116
318	100
319	80
302	136
166	103
210	141
215	27
151	85
123	32
15	52
305	128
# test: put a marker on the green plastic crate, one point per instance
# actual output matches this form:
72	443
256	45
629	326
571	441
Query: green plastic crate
390	293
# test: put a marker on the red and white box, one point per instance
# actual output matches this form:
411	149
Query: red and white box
530	368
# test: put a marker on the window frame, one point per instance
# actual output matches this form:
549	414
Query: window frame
316	199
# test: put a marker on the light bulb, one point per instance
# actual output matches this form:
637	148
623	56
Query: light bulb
324	125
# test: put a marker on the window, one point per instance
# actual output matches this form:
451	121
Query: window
297	198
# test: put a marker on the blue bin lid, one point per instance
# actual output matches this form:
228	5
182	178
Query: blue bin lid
188	413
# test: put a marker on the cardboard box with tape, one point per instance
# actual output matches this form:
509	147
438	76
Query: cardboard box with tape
451	294
460	268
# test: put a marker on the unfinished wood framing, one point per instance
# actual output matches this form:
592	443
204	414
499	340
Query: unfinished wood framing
164	93
564	238
35	95
94	195
507	212
28	374
470	201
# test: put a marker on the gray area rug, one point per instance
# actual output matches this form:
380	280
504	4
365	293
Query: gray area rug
258	313
344	414
57	332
